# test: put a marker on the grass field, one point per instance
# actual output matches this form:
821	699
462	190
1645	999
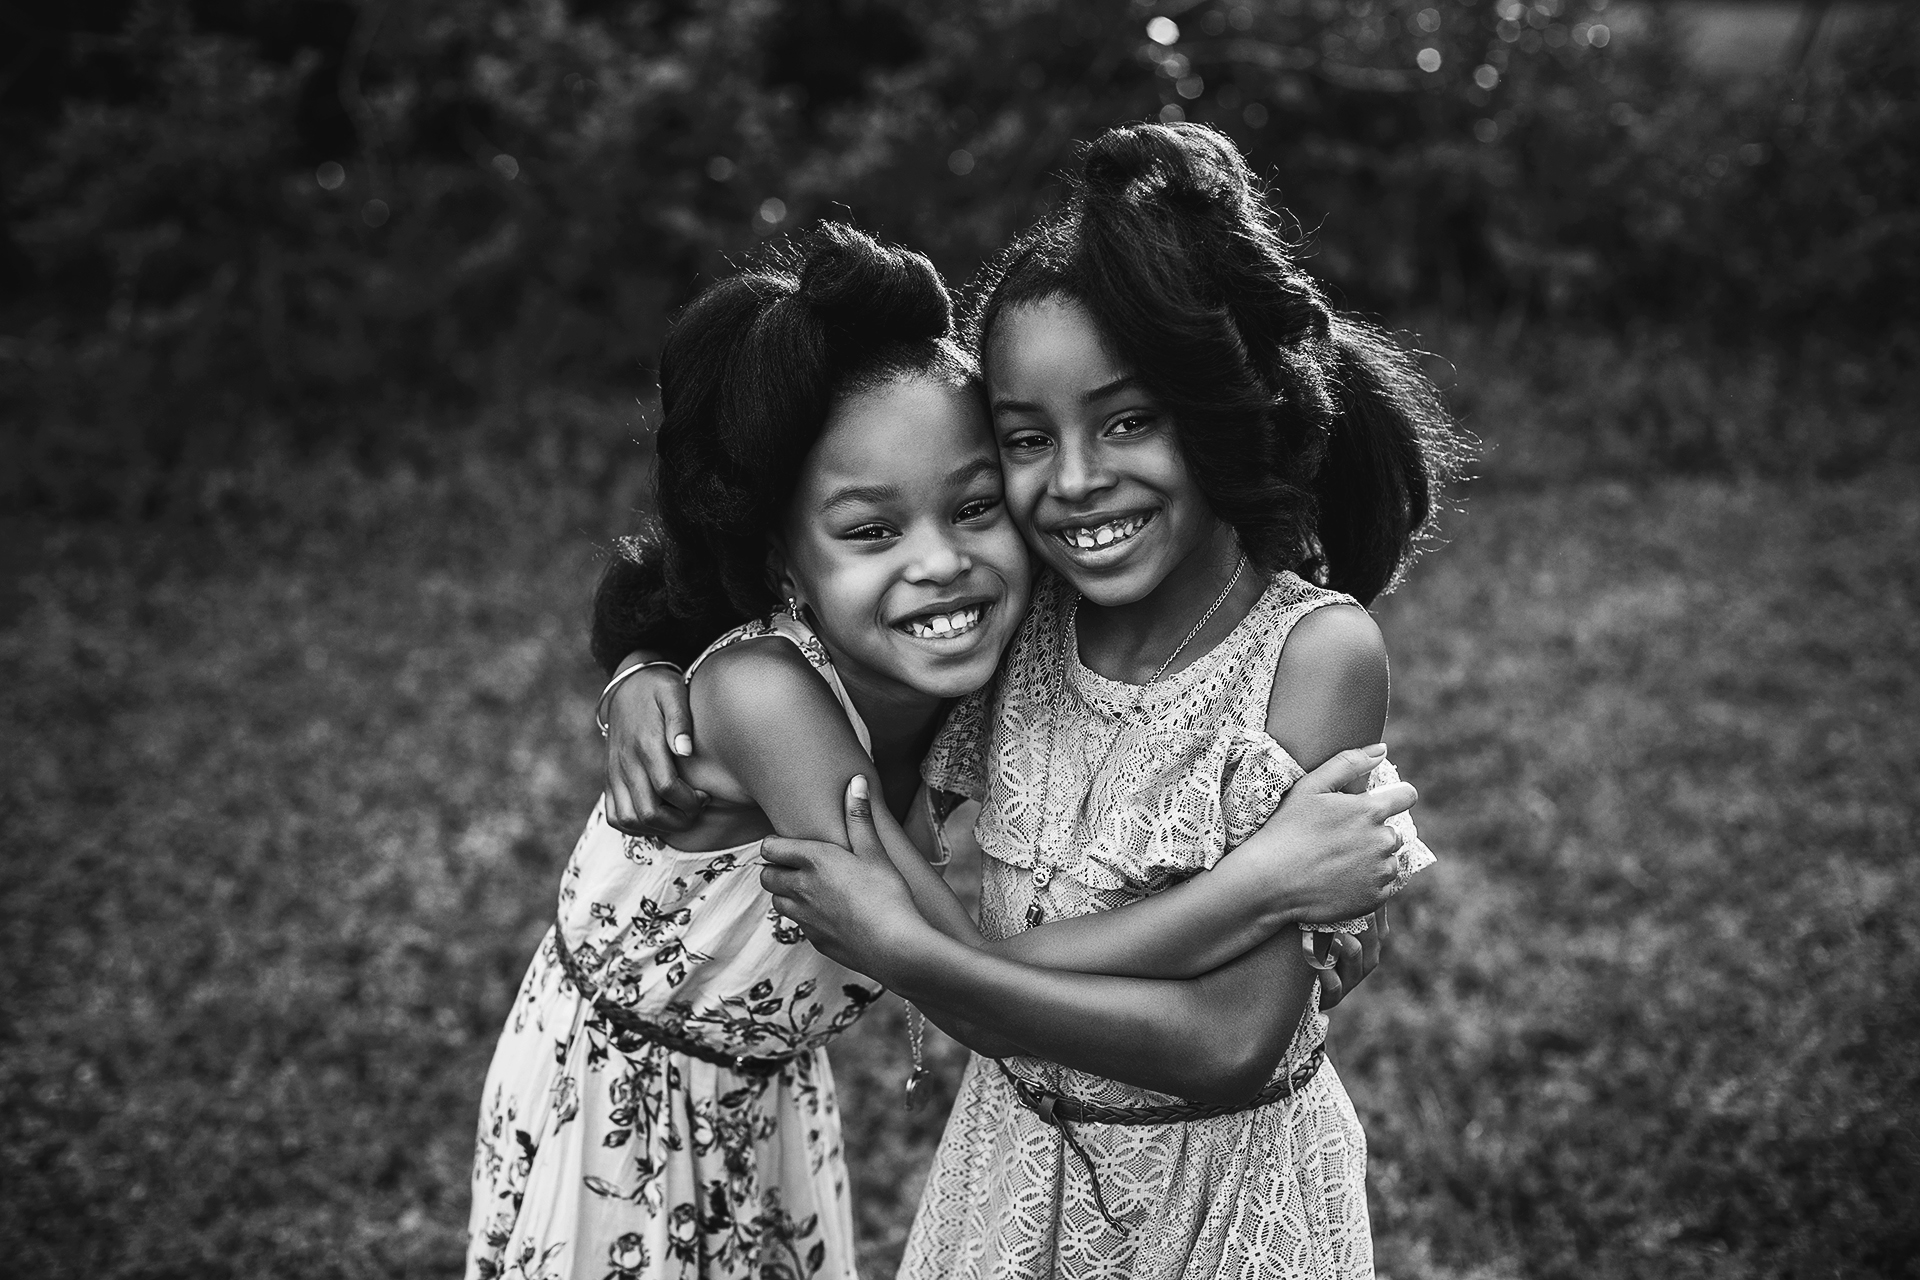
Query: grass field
285	800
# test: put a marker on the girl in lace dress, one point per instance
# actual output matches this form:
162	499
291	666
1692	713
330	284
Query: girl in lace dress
1215	471
659	1104
1190	439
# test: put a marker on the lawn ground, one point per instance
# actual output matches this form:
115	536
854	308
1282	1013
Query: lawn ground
285	800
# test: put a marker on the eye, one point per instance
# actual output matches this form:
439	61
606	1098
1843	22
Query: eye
980	508
868	533
1131	424
1025	442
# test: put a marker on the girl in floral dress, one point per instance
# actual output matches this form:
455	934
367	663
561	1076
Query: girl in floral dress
659	1104
1193	444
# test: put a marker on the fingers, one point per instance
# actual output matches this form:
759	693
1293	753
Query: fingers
1395	797
777	851
1344	770
859	803
862	837
1350	968
676	719
663	778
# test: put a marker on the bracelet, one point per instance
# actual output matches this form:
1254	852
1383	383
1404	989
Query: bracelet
600	707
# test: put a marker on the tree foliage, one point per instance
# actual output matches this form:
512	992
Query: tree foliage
219	208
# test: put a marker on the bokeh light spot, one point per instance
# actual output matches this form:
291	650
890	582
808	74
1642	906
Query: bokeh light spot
1163	31
960	163
507	166
1598	35
1429	59
1255	115
1190	87
720	169
1172	113
1486	76
1428	20
1486	130
375	213
773	211
330	175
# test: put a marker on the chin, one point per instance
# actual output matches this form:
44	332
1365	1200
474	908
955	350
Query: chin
959	679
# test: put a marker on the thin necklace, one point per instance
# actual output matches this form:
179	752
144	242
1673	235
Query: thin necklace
1042	871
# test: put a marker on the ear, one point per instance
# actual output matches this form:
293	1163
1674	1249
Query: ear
779	571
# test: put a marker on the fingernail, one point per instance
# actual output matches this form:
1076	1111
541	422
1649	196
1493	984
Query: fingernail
858	787
683	745
1377	749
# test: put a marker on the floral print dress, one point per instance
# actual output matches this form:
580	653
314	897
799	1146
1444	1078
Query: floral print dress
605	1155
1095	794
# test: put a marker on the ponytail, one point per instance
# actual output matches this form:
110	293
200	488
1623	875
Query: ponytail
1310	432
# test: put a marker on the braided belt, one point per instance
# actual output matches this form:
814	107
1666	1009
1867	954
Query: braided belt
1061	1111
626	1021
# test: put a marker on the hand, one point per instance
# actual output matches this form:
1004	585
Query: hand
648	725
1333	856
1357	957
849	900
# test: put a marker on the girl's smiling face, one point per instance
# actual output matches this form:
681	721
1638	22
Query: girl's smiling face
1094	474
898	540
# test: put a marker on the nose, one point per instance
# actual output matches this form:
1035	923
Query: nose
1079	471
937	558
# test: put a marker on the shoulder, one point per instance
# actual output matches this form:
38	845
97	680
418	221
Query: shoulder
1330	687
755	679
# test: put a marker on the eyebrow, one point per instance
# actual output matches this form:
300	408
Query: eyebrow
854	495
1124	382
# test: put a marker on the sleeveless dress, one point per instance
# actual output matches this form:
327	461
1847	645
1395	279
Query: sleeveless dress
1097	793
604	1154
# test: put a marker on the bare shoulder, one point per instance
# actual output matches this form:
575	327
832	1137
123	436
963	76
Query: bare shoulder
1331	687
757	685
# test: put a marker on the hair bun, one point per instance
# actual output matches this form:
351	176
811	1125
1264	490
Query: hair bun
858	287
1183	163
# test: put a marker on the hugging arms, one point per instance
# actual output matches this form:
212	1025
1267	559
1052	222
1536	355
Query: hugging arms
1194	990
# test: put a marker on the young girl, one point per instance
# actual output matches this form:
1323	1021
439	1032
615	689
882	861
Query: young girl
659	1103
1216	469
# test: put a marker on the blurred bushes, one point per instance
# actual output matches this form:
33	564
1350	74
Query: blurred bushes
232	221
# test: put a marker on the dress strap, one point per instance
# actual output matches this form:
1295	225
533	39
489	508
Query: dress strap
801	636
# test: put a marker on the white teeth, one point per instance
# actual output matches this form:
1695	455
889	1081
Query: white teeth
945	626
1103	535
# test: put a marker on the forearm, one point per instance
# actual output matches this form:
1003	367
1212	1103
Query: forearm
1202	1039
1181	932
982	1041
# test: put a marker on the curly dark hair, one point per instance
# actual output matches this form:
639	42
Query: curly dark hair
748	375
1310	432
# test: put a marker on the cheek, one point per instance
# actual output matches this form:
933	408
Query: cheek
1023	489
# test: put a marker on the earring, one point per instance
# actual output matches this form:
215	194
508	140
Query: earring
796	610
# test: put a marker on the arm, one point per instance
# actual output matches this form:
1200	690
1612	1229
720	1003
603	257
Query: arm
1201	1038
649	734
1324	856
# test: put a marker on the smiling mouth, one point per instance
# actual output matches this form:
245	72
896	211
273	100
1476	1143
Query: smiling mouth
945	626
1098	536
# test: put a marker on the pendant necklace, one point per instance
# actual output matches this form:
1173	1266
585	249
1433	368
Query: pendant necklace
1043	872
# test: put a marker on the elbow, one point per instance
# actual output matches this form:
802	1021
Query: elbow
1230	1071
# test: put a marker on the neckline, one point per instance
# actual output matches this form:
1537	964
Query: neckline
1123	693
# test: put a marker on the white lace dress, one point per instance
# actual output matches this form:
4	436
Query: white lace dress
1097	793
603	1154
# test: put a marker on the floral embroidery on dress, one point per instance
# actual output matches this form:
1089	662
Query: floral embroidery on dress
603	1155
